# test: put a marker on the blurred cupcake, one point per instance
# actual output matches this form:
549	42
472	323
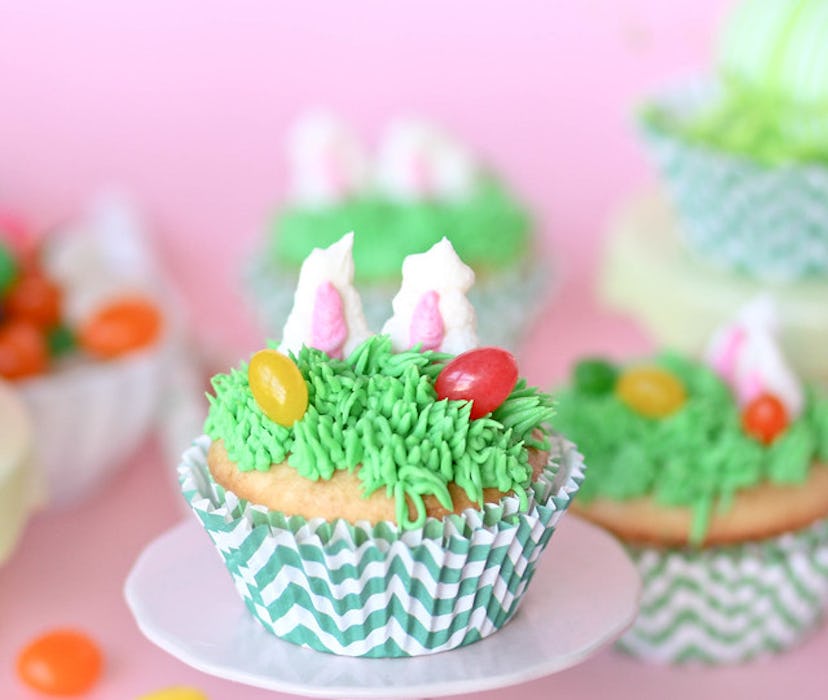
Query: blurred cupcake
745	155
715	475
371	498
81	338
421	185
19	493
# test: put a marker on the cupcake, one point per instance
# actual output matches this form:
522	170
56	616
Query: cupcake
745	155
715	475
380	495
18	488
420	186
80	328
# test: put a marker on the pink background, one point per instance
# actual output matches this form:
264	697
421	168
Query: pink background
185	104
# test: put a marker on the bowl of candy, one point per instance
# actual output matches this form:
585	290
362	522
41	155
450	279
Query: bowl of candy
84	344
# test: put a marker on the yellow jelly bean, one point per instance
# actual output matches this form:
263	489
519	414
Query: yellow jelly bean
651	391
278	387
177	693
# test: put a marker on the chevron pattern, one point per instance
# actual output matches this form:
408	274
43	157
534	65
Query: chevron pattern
768	222
375	591
730	604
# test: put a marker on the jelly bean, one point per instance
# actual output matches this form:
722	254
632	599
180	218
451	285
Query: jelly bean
765	418
650	391
61	662
484	376
9	270
35	298
175	693
278	387
595	376
23	350
123	325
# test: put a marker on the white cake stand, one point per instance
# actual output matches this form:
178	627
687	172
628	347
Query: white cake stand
584	595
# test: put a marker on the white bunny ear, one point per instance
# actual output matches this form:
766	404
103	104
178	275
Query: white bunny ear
417	161
431	308
327	311
327	162
745	353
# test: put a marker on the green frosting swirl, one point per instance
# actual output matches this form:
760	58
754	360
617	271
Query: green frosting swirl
698	457
379	409
490	230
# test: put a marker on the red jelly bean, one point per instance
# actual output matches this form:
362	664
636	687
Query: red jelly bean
61	662
36	299
765	418
485	376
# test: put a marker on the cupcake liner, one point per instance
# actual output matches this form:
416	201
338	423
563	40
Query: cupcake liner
506	301
377	591
88	416
728	605
770	222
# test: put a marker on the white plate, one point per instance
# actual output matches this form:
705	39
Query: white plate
584	595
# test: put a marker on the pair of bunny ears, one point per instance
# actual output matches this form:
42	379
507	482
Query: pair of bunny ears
415	161
430	309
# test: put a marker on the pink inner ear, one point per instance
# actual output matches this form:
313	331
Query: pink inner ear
427	325
328	328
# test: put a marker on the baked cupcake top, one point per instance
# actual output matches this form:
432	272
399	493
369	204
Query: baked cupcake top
395	408
421	185
694	434
773	74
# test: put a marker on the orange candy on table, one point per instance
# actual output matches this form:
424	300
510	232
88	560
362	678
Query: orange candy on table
278	387
61	662
765	418
120	327
24	351
650	391
36	299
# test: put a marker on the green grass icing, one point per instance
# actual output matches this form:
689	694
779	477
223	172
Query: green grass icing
490	230
698	457
379	409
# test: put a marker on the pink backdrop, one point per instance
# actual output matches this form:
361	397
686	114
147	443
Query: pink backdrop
185	104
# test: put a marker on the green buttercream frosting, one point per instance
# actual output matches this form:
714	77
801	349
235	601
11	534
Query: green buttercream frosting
772	65
379	409
698	457
490	230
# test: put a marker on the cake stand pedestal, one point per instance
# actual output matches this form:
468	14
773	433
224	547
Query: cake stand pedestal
584	595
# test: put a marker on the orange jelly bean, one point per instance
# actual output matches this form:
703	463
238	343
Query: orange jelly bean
35	298
650	391
765	418
278	387
120	327
24	351
61	662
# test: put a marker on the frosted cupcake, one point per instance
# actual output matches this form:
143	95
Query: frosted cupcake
370	495
80	337
714	474
744	156
421	185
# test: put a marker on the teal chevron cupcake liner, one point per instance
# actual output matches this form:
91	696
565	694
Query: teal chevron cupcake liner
727	605
767	221
377	591
506	301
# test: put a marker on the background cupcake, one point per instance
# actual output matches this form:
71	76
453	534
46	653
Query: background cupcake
744	155
364	501
715	476
421	185
83	339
